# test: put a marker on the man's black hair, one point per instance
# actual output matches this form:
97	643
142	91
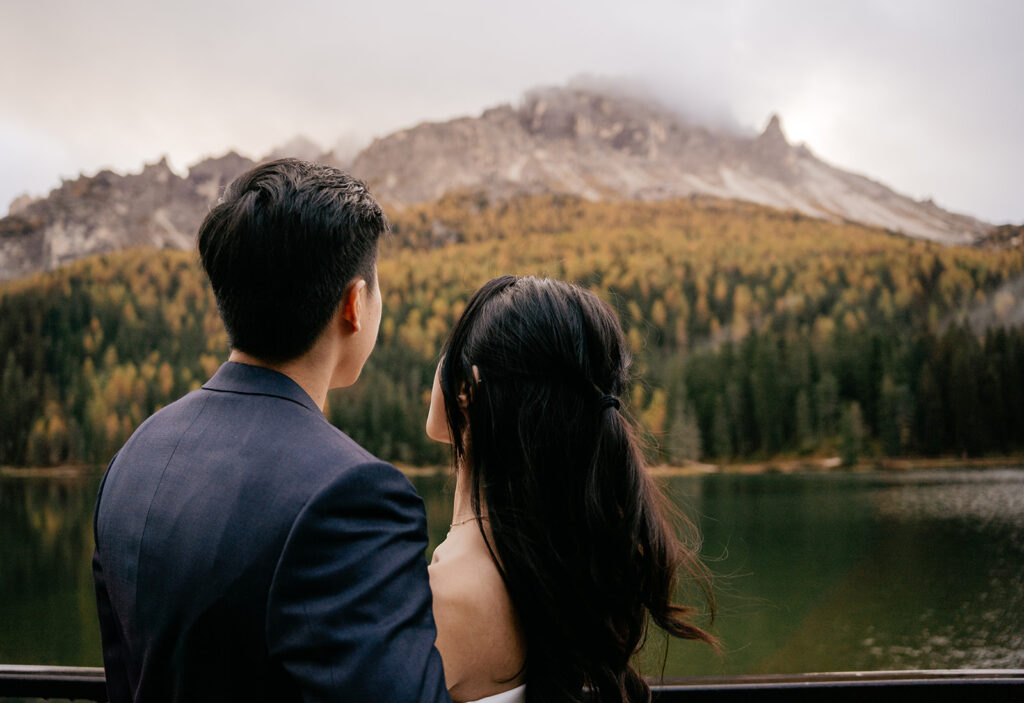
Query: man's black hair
281	247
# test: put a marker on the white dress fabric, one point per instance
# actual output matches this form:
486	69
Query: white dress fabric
515	695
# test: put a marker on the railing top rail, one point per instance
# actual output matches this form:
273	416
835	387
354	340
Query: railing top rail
77	682
814	675
76	671
845	676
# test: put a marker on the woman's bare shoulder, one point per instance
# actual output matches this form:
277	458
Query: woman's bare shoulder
463	575
477	631
464	550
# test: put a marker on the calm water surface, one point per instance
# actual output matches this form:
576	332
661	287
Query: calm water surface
812	572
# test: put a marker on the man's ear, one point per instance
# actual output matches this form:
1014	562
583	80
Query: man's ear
353	302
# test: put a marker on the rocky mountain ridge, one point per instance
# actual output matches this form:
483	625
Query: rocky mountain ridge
616	146
585	142
109	212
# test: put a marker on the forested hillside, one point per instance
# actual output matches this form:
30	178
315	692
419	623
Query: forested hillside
756	332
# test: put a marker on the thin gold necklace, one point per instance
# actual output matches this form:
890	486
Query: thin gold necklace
469	519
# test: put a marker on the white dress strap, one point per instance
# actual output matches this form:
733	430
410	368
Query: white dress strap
514	695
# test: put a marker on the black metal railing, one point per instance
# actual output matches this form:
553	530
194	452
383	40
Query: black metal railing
968	685
61	682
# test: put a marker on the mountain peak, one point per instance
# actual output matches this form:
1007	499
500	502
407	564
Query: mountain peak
157	169
592	141
606	141
773	131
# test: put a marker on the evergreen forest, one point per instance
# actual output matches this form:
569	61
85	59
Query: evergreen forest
757	333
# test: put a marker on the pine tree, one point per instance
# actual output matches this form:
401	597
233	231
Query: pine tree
684	443
804	426
895	416
851	434
827	402
721	430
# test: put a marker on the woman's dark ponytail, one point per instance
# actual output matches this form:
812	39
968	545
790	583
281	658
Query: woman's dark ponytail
578	528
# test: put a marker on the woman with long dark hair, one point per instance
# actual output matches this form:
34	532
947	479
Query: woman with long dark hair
559	549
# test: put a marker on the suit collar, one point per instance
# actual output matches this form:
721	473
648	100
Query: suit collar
235	377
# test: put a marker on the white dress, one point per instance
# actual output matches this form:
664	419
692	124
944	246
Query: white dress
514	695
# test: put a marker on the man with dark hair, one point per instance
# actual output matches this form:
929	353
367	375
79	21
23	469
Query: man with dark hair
246	549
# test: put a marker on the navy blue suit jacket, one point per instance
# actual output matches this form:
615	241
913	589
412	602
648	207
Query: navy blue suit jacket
248	550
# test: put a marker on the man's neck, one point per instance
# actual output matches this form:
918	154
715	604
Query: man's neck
312	377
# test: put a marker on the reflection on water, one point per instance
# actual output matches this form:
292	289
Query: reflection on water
47	608
858	572
962	544
813	573
985	500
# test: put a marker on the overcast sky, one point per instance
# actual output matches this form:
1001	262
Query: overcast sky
926	96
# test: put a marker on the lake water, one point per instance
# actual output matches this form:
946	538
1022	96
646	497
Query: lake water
813	572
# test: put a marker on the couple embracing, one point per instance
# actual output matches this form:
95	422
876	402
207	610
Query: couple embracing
248	550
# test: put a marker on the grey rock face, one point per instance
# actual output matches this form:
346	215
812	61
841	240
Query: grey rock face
599	145
565	140
108	212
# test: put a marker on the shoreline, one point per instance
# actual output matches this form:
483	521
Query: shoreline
820	465
803	465
62	471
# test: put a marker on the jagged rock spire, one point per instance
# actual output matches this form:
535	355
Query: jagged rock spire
773	131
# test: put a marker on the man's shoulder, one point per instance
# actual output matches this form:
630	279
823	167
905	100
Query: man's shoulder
259	461
252	419
251	439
